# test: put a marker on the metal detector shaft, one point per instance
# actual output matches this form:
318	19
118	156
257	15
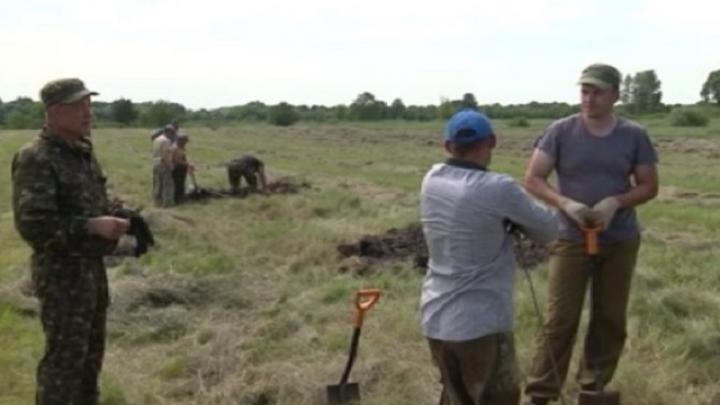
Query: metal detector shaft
517	238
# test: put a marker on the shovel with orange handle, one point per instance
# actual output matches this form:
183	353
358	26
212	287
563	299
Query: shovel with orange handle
598	395
346	392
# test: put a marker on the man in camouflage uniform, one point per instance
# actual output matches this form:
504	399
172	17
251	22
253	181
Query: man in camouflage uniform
61	210
251	169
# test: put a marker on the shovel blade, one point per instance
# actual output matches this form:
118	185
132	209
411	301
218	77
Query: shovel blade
599	398
343	394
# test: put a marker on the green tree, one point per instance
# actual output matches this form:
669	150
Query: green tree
283	115
341	112
397	109
162	112
469	101
711	88
367	108
123	111
23	113
645	94
626	90
446	108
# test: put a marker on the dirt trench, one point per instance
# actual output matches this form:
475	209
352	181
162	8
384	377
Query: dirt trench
409	242
280	186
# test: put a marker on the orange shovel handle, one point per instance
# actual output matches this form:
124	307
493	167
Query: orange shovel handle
364	300
591	239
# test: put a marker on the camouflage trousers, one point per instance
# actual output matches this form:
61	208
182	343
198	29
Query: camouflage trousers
481	371
163	185
73	294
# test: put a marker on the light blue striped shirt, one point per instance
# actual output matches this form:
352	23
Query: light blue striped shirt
467	291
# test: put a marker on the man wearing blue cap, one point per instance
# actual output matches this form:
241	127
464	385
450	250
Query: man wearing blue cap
466	301
605	166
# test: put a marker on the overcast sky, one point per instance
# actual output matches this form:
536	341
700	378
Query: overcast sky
212	53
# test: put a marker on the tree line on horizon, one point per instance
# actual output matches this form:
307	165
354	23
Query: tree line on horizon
639	94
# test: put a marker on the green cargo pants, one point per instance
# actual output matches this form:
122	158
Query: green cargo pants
568	280
481	371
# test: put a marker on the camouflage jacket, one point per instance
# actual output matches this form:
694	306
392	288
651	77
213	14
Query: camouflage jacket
56	188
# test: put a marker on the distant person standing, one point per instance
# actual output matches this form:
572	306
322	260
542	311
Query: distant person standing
163	183
181	166
249	168
466	303
605	166
61	210
174	126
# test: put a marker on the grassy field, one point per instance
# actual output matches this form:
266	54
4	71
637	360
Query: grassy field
247	302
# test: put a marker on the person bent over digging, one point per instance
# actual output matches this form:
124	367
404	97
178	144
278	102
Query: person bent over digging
605	166
249	168
466	299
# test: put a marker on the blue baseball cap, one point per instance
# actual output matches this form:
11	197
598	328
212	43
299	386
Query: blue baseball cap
468	126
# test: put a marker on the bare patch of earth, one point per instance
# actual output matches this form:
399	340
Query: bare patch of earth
280	186
409	243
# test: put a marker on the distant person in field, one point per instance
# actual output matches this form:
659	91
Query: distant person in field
249	168
605	166
162	155
61	209
181	166
466	304
174	125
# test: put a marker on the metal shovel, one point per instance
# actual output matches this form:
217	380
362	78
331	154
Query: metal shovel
194	182
345	392
598	396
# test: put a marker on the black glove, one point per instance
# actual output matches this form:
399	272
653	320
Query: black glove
512	228
139	229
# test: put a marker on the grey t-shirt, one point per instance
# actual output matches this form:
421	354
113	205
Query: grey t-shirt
590	168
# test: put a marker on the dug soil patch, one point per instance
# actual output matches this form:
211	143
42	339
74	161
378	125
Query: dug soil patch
280	186
409	242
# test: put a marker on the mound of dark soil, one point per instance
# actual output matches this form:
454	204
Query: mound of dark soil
393	244
397	244
280	186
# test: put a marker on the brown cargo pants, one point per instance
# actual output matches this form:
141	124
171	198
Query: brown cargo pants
481	371
568	280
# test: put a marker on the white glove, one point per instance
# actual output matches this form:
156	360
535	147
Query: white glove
578	212
604	211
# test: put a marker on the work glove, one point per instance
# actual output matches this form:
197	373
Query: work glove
605	210
578	212
139	229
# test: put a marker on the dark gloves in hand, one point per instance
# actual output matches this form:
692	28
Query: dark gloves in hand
139	229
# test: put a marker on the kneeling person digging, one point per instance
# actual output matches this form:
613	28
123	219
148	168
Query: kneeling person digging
249	168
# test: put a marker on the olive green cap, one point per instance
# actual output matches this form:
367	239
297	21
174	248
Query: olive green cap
600	75
64	91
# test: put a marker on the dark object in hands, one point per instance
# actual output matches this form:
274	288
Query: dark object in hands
513	228
139	229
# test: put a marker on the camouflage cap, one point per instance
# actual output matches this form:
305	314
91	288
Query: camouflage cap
601	75
64	91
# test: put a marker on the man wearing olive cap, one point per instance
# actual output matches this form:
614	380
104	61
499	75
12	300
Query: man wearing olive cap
61	210
466	300
605	166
